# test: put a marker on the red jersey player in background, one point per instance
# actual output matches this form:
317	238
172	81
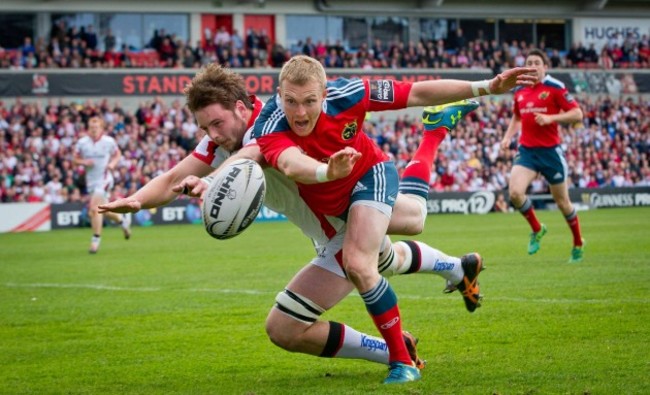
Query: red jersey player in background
537	111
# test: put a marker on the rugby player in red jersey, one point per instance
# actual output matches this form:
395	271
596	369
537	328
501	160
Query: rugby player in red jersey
311	132
537	111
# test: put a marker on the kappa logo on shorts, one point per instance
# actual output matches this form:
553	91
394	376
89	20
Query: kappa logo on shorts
349	131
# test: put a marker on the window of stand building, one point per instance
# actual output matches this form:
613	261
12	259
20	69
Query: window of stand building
327	29
133	30
14	28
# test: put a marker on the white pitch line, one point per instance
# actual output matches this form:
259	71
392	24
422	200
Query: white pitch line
101	287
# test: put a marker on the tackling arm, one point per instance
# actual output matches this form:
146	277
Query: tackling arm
192	184
158	191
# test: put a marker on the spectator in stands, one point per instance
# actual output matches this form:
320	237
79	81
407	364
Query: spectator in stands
252	39
109	40
237	42
309	48
263	45
222	38
167	51
90	37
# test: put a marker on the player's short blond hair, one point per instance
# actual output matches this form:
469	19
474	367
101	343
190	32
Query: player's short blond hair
96	118
301	69
216	84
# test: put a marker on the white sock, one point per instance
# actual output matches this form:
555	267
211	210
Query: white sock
421	257
358	345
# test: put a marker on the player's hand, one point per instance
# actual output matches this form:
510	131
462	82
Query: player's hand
519	76
505	144
543	119
191	186
342	162
122	206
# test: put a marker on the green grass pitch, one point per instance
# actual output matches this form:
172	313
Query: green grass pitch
173	311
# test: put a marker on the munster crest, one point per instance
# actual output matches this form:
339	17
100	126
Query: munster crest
349	131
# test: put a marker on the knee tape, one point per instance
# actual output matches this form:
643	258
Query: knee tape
298	307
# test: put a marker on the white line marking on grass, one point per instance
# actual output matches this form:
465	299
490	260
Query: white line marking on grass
98	287
101	287
231	291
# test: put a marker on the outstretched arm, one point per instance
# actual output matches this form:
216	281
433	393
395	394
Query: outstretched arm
158	191
434	92
194	187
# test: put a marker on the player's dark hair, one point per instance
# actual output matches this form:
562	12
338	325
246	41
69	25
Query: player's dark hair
216	84
541	54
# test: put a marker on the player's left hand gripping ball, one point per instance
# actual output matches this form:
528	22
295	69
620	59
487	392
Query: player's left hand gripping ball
233	199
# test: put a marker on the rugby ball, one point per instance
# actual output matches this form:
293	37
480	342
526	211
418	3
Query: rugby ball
233	199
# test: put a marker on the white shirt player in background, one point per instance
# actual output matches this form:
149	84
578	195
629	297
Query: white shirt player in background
99	154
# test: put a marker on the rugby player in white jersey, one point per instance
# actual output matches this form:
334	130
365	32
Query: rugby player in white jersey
223	109
99	154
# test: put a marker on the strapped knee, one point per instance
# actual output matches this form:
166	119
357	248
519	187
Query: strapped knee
298	307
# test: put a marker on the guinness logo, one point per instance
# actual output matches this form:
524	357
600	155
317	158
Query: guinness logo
349	131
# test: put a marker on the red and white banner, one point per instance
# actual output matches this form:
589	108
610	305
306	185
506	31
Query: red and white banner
24	217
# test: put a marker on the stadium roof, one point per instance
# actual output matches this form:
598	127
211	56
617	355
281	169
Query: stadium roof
431	8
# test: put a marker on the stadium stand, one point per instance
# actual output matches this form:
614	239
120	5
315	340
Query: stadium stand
168	52
611	147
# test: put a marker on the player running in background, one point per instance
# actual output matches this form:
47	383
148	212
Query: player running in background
311	132
99	154
223	109
537	111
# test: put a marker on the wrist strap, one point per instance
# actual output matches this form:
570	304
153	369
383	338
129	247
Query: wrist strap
321	173
478	85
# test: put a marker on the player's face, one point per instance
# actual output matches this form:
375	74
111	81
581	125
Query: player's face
537	63
302	105
225	127
95	128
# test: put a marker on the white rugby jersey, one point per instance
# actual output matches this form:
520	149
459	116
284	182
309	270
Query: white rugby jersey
100	152
282	194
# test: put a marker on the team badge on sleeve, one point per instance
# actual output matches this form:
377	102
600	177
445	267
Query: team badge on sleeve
568	97
382	91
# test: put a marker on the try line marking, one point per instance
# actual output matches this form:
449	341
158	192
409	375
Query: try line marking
102	287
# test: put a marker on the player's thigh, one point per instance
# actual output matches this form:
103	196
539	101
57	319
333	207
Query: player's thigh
366	228
520	179
96	198
370	211
320	286
407	216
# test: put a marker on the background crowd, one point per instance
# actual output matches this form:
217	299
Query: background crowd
610	148
72	47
